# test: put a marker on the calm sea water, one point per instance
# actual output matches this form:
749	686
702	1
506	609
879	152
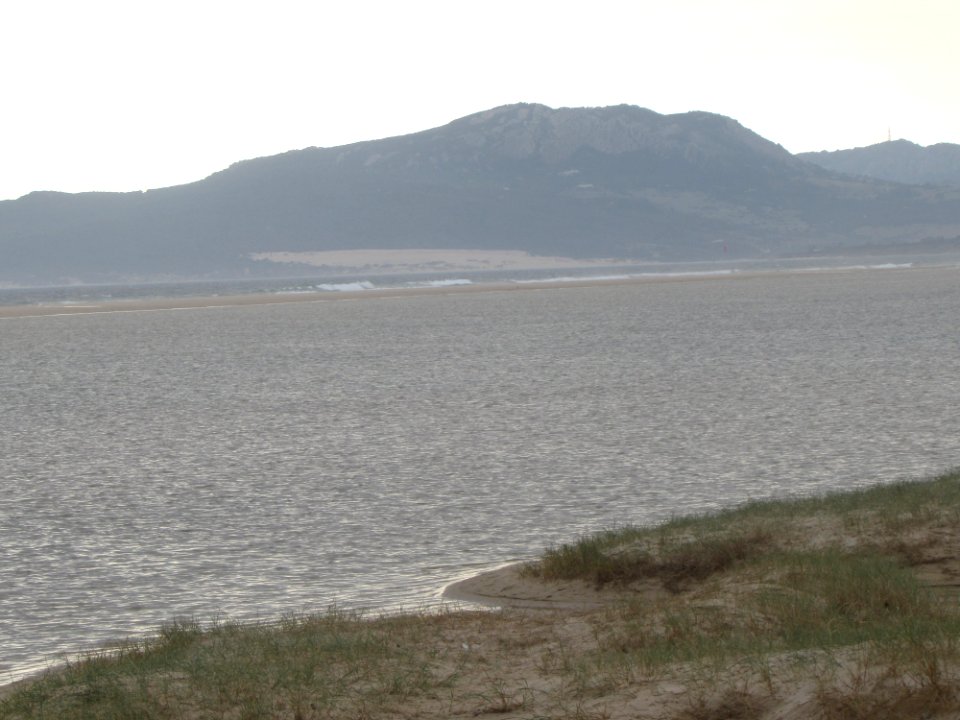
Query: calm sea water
247	462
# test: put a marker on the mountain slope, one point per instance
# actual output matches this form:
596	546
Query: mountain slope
617	182
897	161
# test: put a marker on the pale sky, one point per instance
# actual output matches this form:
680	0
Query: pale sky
134	94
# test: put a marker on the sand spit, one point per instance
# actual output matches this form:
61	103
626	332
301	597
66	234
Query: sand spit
510	587
197	303
222	301
225	301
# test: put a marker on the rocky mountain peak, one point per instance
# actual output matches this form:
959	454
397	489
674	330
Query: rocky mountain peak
524	131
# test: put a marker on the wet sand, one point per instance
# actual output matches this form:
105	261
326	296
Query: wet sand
509	587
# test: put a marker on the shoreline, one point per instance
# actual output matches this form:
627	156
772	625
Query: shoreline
507	587
502	587
805	607
210	302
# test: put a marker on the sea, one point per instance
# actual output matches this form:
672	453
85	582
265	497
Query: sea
257	461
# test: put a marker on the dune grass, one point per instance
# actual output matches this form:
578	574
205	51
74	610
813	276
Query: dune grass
828	590
879	518
804	578
786	603
328	665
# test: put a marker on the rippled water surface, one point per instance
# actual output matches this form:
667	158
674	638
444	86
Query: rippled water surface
252	461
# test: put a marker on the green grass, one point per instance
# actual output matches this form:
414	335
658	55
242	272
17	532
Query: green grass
811	577
621	556
695	547
790	602
315	666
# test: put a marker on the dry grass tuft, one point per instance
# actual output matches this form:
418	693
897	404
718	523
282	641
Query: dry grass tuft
891	695
599	560
730	705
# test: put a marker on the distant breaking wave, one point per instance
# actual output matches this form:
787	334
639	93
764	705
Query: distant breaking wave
441	283
573	278
631	276
368	285
346	287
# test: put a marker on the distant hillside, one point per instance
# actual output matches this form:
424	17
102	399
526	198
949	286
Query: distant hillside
897	161
616	182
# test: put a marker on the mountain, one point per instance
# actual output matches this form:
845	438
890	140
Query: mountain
615	182
898	161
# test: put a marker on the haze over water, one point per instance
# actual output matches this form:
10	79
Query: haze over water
252	461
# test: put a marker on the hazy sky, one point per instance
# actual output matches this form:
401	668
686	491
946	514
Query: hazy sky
137	94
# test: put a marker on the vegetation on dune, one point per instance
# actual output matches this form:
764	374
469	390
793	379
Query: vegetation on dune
847	602
887	519
327	665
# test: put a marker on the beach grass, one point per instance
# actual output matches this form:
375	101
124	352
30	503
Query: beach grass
324	665
840	606
881	518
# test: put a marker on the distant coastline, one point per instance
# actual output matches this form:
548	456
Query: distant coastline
333	292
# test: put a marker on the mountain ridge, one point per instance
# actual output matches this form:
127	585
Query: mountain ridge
619	182
898	161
